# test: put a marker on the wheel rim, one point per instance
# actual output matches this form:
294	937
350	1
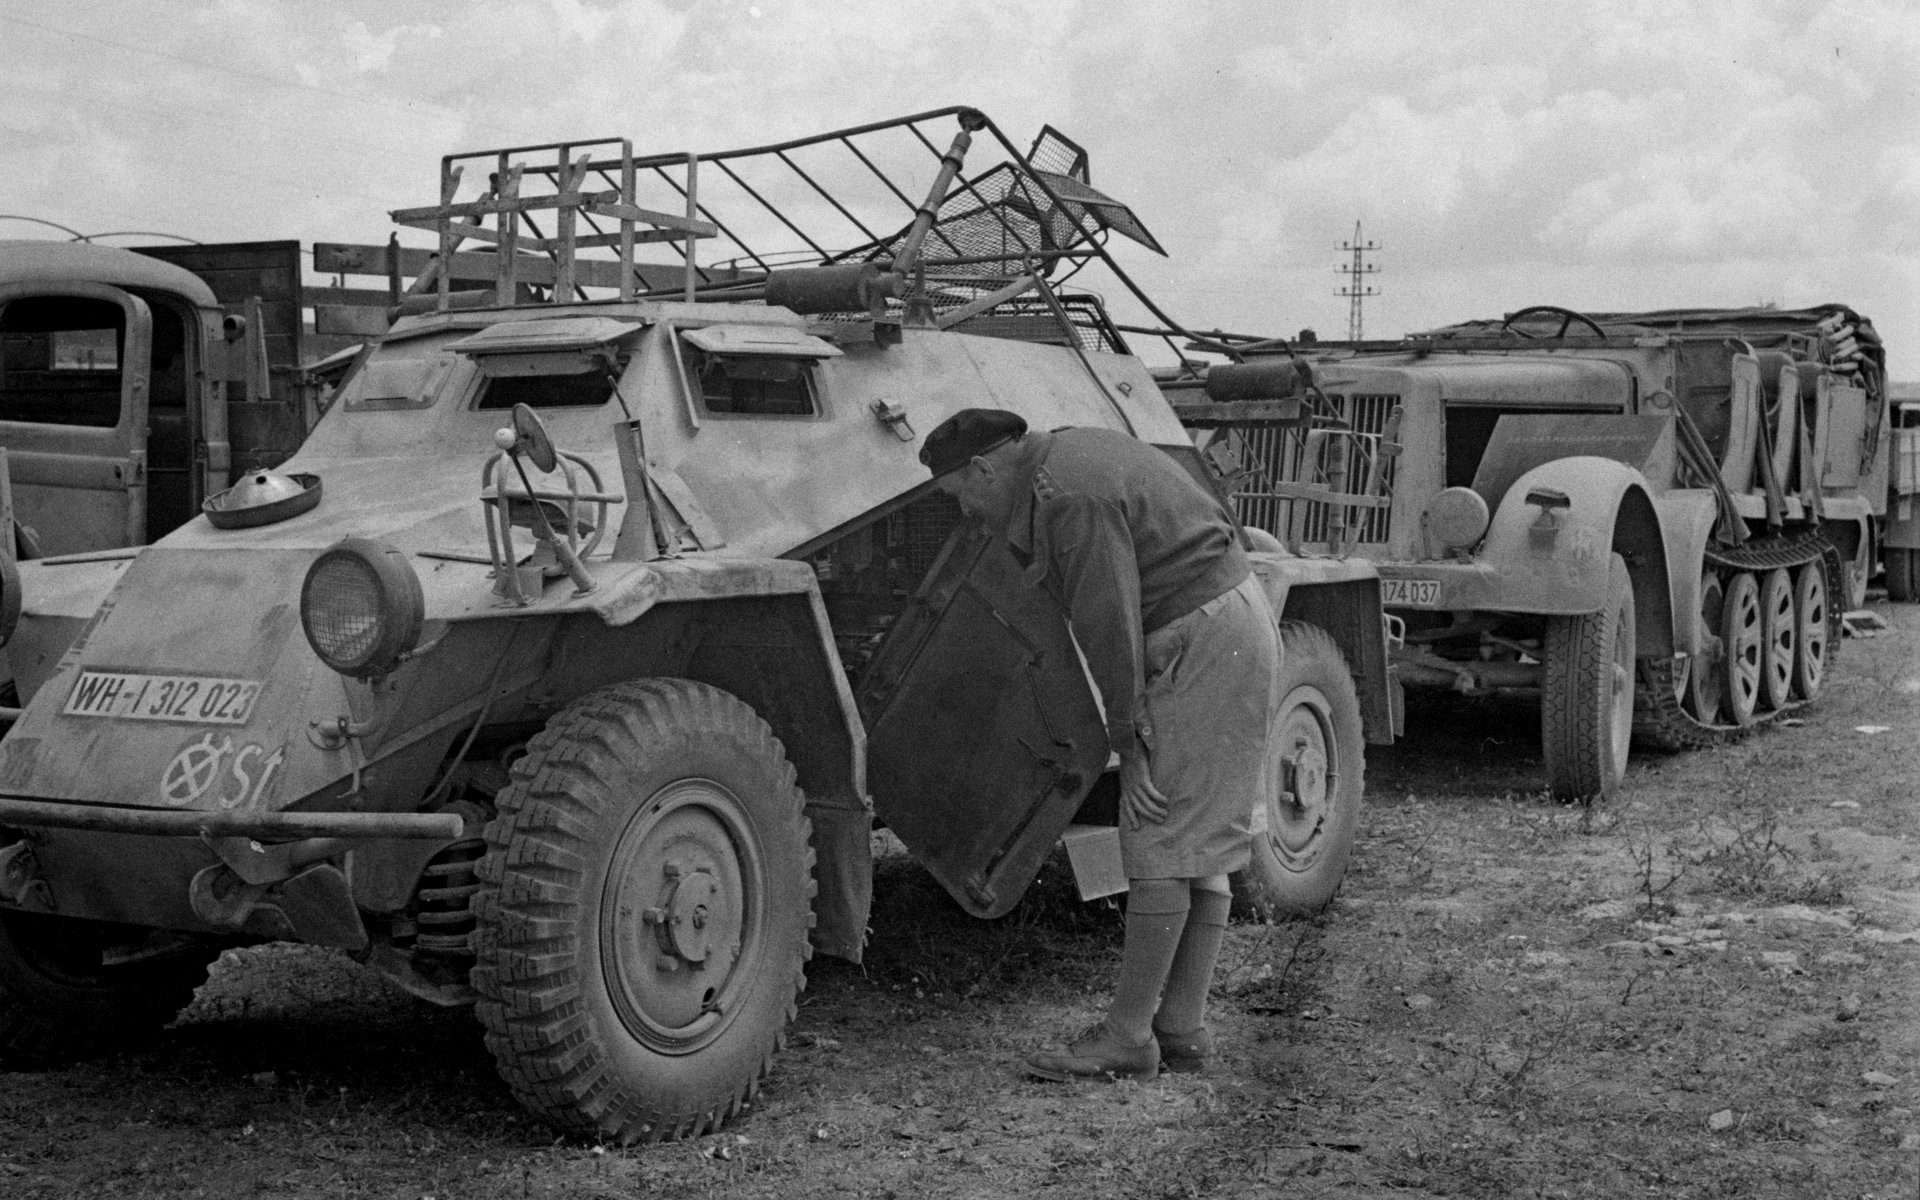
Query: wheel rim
1620	701
1778	636
1810	614
681	917
1706	679
1741	636
1300	799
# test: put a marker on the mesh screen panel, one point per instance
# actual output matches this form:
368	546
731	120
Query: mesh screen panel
343	603
1275	455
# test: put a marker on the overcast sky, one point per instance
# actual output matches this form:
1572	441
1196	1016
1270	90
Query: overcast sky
1600	155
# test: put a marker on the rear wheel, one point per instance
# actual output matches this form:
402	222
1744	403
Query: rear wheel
71	988
642	923
1812	638
1304	827
1586	696
1744	639
1903	574
1779	637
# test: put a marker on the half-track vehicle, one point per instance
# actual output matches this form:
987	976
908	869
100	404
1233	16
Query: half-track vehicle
576	693
1652	520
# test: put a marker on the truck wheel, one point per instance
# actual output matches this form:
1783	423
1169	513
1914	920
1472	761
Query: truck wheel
59	1000
1586	694
1903	574
1742	634
1779	640
1303	828
642	921
1812	642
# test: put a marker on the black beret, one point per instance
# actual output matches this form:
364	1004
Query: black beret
971	431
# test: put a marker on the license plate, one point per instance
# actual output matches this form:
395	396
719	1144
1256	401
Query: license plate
1410	593
193	699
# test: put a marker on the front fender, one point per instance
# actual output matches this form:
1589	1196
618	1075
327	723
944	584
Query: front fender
1553	559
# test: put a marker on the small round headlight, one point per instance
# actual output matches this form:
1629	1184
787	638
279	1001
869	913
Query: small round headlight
1457	518
361	607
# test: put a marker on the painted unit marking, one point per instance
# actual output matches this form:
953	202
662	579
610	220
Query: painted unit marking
192	699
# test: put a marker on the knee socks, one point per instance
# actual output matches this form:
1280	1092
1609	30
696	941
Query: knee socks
1157	911
1183	1004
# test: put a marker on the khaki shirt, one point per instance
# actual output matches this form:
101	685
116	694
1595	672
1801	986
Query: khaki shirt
1127	542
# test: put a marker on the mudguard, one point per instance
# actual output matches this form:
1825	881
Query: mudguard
1551	536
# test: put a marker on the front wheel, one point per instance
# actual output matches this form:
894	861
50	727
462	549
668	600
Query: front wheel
642	923
1586	694
71	988
1304	825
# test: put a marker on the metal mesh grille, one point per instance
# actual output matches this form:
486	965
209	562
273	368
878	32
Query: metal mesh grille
928	521
1274	454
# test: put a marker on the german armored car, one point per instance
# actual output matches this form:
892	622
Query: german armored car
1653	520
576	692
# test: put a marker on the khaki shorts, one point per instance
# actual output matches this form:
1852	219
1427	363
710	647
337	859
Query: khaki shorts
1211	681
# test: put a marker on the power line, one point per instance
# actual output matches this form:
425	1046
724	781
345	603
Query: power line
254	76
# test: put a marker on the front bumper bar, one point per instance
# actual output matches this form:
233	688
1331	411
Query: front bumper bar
21	813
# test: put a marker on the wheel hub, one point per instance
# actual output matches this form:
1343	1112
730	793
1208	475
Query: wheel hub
677	916
1306	779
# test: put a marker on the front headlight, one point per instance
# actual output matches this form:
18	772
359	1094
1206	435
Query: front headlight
361	607
1457	518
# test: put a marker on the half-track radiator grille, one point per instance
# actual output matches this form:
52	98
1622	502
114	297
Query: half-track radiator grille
1274	454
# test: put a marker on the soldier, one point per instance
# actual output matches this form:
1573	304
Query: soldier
1179	638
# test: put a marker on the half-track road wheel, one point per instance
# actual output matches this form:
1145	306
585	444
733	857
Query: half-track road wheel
1779	637
1743	634
1903	574
1812	641
642	922
63	996
1707	673
1586	693
1304	827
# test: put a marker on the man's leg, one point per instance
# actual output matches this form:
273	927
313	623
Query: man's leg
1180	1025
1123	1044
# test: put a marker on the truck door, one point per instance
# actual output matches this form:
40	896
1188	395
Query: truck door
74	364
983	732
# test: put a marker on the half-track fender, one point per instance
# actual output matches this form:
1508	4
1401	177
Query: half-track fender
1554	531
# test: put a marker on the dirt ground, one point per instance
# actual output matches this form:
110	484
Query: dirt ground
1709	987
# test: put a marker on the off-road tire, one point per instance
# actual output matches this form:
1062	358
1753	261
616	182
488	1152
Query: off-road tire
60	1002
1300	850
651	828
1903	574
1586	694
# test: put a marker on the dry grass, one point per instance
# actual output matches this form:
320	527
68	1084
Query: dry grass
1511	998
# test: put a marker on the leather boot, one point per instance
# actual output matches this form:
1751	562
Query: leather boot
1097	1054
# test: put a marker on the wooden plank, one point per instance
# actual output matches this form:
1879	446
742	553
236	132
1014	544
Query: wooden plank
629	212
481	208
336	258
349	320
364	297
